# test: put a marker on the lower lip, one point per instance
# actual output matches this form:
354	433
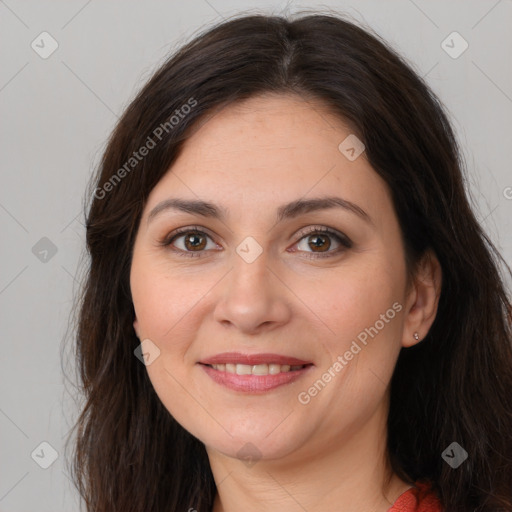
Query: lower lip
254	383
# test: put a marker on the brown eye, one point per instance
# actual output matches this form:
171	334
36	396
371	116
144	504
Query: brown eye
189	242
195	241
319	240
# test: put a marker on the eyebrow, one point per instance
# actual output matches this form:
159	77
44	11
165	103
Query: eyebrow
287	211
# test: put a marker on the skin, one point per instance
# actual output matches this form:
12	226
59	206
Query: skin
250	158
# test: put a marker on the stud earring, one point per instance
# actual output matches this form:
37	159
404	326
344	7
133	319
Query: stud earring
416	336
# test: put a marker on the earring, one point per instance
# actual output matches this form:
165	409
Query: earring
416	336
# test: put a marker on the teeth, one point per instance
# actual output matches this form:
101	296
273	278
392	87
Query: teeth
243	369
257	369
274	369
260	369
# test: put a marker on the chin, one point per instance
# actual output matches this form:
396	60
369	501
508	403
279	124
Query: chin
250	446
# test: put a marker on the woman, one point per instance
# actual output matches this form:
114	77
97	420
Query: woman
290	304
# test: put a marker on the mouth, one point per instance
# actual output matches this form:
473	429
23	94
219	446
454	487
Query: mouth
254	373
257	369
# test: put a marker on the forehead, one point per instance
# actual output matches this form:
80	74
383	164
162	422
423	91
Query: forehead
270	121
267	150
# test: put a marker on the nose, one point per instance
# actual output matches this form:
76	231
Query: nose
253	297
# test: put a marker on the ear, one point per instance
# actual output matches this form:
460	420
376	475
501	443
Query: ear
422	299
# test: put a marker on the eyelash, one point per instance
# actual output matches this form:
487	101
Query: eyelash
344	241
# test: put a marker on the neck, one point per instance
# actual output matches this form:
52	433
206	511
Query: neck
349	474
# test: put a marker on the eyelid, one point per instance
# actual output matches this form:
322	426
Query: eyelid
324	229
183	230
344	241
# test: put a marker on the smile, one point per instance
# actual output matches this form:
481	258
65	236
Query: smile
255	379
256	369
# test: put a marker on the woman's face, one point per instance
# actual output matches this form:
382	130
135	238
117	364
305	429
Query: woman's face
253	285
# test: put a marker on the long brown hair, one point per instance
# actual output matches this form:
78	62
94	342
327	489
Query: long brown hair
454	386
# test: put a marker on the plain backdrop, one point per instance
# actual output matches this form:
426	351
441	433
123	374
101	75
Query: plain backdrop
56	113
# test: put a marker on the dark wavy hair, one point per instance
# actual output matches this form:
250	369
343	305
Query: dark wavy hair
456	385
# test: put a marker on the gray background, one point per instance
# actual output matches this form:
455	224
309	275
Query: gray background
56	114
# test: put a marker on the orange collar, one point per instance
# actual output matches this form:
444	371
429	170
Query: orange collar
420	498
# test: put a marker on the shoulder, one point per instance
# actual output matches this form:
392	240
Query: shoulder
420	498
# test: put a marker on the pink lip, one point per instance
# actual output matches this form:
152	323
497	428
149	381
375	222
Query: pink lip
254	383
252	359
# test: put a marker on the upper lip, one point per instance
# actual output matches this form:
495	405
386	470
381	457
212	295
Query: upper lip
253	359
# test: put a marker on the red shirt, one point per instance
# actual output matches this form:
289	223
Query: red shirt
420	498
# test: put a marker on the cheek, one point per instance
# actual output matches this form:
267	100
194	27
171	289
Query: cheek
352	298
166	307
163	299
362	307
